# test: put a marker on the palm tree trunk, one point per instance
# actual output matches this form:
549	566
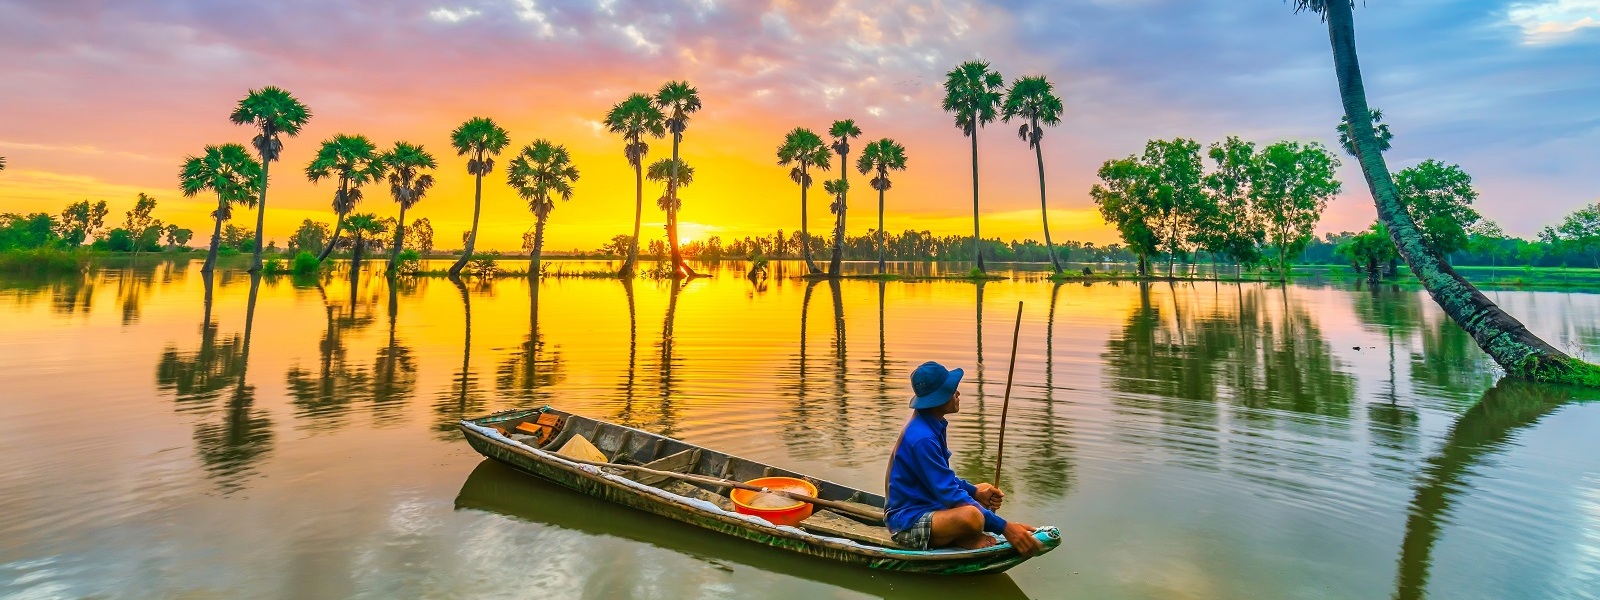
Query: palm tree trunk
261	215
1506	340
1044	209
538	249
216	238
805	231
679	267
472	238
838	224
355	254
399	239
977	241
628	265
338	225
881	266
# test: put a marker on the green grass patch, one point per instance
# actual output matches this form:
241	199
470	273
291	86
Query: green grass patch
40	261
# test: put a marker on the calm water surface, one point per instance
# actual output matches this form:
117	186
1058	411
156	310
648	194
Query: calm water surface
1192	440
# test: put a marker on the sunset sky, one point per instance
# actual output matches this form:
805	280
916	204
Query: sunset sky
102	100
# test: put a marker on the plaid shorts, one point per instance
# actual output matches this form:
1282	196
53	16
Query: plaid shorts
917	536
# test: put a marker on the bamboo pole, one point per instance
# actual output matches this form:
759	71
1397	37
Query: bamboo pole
1000	450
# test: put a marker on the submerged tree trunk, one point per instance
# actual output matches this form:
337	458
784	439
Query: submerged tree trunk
1044	208
1506	340
679	267
472	238
630	264
538	249
216	237
881	266
977	240
805	229
261	216
399	240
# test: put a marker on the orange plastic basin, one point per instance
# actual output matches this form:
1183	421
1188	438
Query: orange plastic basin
783	514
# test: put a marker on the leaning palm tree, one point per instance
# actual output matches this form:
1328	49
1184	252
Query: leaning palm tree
230	172
480	139
408	184
803	149
1506	340
539	173
972	94
841	131
635	118
273	112
1380	130
674	174
881	157
354	160
677	100
1032	100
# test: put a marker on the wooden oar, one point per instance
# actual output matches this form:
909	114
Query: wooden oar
1000	449
856	509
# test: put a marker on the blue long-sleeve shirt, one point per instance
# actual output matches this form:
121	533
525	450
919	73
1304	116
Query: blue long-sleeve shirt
920	479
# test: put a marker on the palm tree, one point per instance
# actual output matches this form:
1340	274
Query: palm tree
836	189
1506	340
2	163
841	131
635	118
674	174
1379	129
541	171
803	149
677	100
354	159
273	112
1032	100
230	172
881	157
480	139
972	94
407	184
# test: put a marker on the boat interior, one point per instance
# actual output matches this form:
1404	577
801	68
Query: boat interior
554	431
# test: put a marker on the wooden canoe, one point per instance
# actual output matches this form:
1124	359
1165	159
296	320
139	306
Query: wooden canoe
826	534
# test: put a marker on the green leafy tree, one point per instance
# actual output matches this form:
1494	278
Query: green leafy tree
353	159
311	236
801	151
143	228
879	158
542	172
1368	251
408	183
479	139
26	232
178	236
1508	341
1579	232
1439	197
274	113
842	132
1032	101
677	100
1234	229
1180	199
419	236
972	94
635	118
232	174
1290	184
1487	238
80	221
1126	196
364	228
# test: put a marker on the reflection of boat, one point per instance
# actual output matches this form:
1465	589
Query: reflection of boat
707	506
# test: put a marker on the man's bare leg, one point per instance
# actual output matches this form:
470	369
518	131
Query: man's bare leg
960	526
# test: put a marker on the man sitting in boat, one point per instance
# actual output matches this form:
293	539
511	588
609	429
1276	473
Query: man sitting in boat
928	506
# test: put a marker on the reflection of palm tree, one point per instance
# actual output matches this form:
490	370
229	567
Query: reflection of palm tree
394	371
463	397
840	378
975	463
528	369
626	416
667	359
1049	470
324	397
231	448
1481	432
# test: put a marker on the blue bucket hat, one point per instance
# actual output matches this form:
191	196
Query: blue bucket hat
933	385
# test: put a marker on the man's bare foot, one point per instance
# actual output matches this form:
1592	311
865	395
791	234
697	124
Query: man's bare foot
977	542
